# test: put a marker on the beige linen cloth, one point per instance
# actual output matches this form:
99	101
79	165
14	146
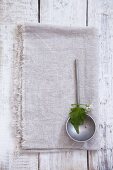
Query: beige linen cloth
44	84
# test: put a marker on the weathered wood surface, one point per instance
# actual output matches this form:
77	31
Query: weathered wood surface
11	12
5	81
63	12
58	12
101	16
14	11
76	160
23	162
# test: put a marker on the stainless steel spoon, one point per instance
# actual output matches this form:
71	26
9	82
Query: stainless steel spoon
87	130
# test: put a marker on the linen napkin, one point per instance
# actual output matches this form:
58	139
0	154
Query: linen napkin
45	88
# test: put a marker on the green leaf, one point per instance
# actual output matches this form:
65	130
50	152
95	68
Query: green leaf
77	116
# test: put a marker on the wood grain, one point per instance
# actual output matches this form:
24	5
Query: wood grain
23	162
63	12
101	160
63	161
70	13
5	82
101	16
14	11
11	12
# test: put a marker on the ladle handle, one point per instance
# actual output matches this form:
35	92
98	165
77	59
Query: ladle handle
77	82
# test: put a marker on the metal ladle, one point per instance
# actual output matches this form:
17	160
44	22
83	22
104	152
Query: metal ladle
87	130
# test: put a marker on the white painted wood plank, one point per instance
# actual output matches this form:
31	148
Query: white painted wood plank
5	82
11	12
7	143
18	11
101	160
23	162
63	12
101	16
63	161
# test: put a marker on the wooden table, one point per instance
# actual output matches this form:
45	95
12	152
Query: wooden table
95	13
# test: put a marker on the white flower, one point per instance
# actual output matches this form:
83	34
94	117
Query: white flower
89	107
